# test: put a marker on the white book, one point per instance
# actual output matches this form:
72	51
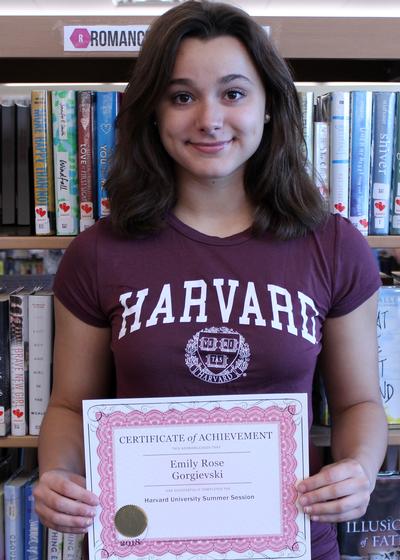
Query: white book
54	545
307	112
340	152
40	357
72	546
14	515
19	361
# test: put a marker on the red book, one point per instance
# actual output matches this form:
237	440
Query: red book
86	167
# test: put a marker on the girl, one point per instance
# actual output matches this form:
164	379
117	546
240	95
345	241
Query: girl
215	224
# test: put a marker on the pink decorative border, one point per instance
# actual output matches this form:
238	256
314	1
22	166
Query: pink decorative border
273	414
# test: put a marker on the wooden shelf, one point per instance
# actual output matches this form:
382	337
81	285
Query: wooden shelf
321	435
19	441
384	241
34	242
295	37
59	242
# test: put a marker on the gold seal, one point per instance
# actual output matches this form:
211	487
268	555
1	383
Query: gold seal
130	521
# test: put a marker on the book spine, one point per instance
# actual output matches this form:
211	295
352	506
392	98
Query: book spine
340	152
65	161
33	529
8	163
321	158
394	228
2	535
361	131
23	163
388	332
5	402
19	351
54	545
382	160
106	112
42	149
307	112
72	546
86	167
13	522
40	352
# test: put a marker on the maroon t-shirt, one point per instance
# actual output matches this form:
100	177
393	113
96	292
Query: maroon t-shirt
192	314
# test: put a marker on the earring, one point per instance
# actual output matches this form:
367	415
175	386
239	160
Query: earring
267	118
155	123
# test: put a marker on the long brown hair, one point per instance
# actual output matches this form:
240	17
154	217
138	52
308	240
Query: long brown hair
141	184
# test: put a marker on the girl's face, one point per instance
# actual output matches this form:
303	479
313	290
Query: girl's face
211	118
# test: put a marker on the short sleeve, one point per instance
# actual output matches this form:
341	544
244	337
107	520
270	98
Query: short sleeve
76	285
355	273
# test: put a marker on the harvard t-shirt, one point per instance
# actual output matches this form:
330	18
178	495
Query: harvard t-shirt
191	314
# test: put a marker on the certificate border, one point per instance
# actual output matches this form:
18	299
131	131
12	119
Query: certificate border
288	414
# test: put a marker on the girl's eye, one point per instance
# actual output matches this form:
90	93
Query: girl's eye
234	94
182	98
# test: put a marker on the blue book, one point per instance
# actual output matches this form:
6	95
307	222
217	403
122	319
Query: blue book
33	549
395	196
106	113
382	159
360	158
14	515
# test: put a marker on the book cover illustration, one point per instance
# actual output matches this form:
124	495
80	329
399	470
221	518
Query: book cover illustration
376	535
388	331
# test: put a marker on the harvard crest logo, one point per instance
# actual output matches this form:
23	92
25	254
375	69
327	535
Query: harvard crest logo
217	355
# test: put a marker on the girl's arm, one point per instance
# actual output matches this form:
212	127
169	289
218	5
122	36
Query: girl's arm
341	491
82	366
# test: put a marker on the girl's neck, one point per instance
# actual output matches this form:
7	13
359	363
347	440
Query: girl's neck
217	210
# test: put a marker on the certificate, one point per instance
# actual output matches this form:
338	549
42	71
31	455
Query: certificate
198	478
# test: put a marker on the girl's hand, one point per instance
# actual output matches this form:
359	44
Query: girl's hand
63	503
339	492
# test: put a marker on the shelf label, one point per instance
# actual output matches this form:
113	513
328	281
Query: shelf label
104	37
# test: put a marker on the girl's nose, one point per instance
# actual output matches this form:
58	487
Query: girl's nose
209	117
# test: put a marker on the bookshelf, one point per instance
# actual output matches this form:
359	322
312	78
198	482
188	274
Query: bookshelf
318	49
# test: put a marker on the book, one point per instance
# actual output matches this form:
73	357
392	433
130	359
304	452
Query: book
33	528
321	145
2	535
394	212
7	143
388	332
40	321
360	158
72	546
19	361
24	187
65	161
5	398
43	175
54	545
339	152
307	111
375	535
382	161
14	515
86	163
107	105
